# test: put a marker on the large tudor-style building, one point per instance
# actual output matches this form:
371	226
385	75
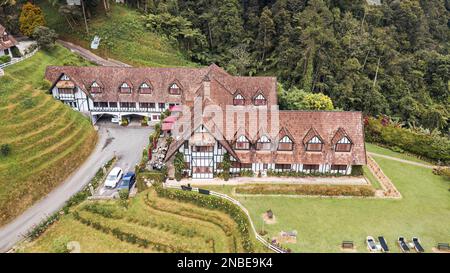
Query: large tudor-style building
252	130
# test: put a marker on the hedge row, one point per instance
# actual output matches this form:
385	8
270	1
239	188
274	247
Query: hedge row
213	202
296	189
433	146
128	237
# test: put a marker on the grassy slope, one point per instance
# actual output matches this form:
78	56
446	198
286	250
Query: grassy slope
48	139
171	221
124	37
384	151
322	224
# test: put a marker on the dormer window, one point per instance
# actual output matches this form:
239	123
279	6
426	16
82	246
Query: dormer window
260	100
145	88
125	88
65	78
314	144
238	100
285	144
343	145
95	88
263	143
174	89
242	143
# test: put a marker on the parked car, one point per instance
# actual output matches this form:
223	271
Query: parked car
127	181
113	177
115	120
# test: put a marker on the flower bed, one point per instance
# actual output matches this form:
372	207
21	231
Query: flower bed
324	190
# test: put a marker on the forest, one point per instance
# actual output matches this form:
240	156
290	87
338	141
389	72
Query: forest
392	59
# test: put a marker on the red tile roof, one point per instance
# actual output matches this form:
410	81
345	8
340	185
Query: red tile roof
190	80
6	40
211	87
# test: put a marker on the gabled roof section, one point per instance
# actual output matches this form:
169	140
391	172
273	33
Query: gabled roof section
310	135
128	82
340	133
284	132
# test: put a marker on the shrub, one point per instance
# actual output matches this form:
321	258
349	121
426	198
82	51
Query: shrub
325	190
445	172
31	17
124	121
246	173
16	52
5	149
357	170
433	146
178	163
5	59
226	165
144	121
45	37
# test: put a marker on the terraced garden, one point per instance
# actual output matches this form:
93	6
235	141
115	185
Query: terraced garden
149	224
47	139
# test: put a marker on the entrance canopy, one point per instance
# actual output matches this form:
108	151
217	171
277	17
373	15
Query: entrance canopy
170	119
167	126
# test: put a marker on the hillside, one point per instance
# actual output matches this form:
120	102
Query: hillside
151	224
48	140
391	59
123	35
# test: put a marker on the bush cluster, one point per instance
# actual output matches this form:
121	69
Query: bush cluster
246	173
5	149
302	174
212	202
105	211
325	190
157	177
433	146
5	59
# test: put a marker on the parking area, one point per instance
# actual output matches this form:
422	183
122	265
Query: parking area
127	144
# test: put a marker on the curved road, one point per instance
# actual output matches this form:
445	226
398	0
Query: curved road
126	143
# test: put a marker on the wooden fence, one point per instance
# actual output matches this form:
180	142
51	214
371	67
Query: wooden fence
16	60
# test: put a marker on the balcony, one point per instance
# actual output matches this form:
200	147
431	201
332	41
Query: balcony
65	97
116	109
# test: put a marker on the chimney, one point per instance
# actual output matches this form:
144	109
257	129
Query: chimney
206	87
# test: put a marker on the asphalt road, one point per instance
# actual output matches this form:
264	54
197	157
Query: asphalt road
88	55
127	143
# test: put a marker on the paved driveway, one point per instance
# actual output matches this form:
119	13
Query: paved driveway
126	143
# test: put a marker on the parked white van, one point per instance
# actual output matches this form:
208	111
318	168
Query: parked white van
113	177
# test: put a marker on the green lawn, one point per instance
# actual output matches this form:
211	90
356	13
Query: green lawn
322	224
48	140
384	151
124	37
166	222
